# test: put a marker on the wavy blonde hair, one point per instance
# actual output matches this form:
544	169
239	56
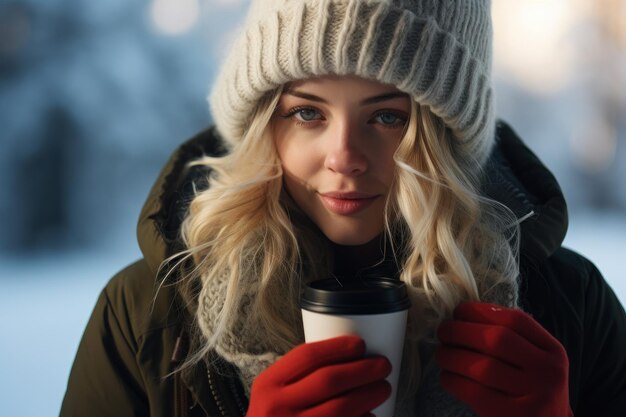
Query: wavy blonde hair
450	243
457	245
453	244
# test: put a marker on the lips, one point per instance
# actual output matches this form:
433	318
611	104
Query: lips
347	203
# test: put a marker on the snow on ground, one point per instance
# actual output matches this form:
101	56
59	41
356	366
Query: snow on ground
45	303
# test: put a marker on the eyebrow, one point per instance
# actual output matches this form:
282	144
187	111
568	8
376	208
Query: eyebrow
369	100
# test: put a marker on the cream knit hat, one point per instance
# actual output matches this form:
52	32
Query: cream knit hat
437	51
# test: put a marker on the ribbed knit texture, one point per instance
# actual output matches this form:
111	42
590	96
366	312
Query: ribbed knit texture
437	51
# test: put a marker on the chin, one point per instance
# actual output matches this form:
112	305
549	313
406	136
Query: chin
350	238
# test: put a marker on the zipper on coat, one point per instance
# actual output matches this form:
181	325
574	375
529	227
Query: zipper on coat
231	387
214	392
181	399
237	394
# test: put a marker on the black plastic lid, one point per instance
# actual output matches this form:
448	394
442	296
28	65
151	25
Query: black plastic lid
366	296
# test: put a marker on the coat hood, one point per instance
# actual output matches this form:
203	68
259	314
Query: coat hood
164	210
514	177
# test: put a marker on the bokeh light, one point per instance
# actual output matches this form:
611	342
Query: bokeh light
174	17
530	41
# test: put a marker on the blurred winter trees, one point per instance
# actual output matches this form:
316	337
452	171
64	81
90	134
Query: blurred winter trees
93	97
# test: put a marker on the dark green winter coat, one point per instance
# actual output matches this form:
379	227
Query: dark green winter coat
129	347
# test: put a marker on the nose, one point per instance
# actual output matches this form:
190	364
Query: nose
345	154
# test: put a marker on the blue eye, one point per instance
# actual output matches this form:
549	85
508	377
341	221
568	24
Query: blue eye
306	115
303	116
388	119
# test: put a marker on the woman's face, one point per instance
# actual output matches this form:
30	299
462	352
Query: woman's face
336	137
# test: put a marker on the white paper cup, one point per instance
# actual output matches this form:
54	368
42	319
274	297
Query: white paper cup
374	309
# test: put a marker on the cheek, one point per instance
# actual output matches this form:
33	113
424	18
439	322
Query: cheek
385	165
284	146
297	153
295	160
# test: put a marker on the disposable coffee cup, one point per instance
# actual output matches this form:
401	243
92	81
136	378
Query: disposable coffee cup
374	308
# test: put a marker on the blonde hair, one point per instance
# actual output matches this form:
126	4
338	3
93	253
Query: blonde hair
241	226
450	243
453	244
458	244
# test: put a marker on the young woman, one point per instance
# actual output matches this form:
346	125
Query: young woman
354	139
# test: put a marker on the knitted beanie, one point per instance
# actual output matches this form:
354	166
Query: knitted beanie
437	51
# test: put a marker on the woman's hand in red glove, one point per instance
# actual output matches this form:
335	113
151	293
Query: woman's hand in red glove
501	362
331	378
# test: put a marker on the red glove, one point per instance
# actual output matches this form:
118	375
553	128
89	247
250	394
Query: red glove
330	378
501	362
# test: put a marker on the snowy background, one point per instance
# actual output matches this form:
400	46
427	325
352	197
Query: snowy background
95	95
